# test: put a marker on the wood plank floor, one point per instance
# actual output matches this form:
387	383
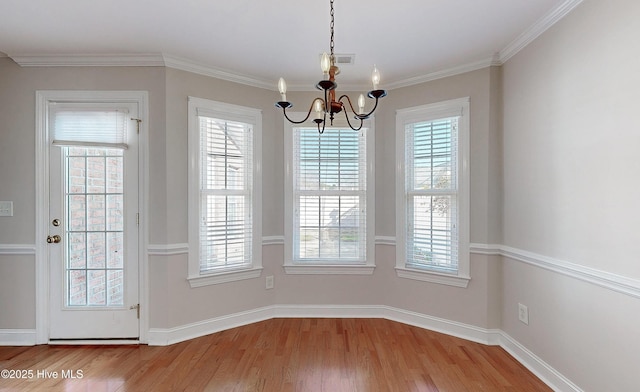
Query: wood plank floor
278	355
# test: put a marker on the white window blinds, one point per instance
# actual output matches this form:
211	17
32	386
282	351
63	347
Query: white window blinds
432	194
226	152
89	125
329	194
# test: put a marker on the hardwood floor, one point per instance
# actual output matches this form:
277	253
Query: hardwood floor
277	355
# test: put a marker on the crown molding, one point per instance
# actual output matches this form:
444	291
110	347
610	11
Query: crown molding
90	60
206	70
537	29
457	70
167	60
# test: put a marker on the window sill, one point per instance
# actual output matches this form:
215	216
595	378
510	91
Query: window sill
224	277
433	277
328	269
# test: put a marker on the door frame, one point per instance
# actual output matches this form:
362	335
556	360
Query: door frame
42	271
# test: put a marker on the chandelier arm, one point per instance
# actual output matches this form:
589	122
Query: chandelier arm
375	106
284	111
353	111
349	122
326	104
360	116
323	121
350	104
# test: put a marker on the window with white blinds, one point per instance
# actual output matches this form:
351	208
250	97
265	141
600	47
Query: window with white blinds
224	233
226	155
432	188
432	214
329	194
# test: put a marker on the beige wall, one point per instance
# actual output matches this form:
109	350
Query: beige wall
17	292
172	302
570	103
17	164
476	305
571	191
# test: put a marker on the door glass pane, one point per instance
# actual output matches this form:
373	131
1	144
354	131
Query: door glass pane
77	287
94	229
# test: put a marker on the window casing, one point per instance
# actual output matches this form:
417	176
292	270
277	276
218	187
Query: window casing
329	204
224	192
432	193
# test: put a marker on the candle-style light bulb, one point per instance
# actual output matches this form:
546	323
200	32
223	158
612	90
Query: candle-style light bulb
361	103
318	106
375	77
325	64
282	87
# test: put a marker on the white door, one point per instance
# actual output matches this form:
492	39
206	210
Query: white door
93	230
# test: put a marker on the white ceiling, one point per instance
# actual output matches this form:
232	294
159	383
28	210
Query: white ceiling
259	41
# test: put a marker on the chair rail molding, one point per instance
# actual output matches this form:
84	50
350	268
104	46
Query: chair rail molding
167	249
608	280
17	249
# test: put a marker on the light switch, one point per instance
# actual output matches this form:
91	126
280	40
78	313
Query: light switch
6	208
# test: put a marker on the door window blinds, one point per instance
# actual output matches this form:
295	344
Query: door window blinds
88	125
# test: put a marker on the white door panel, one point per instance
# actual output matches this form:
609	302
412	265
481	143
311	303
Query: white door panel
93	208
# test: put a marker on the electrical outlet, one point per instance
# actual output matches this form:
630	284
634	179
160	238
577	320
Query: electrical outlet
269	282
6	208
523	313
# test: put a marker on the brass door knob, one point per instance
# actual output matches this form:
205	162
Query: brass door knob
53	239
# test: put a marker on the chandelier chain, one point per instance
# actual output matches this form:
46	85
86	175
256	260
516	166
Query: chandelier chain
332	25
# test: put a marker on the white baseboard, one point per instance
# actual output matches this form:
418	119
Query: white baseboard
167	336
17	337
489	337
550	376
100	342
553	378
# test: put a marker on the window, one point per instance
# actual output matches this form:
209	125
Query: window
94	202
432	193
329	210
224	192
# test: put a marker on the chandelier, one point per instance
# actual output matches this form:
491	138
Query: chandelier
329	105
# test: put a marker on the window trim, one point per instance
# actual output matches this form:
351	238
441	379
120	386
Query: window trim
454	107
308	268
232	113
